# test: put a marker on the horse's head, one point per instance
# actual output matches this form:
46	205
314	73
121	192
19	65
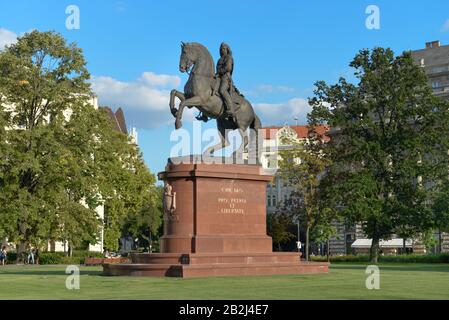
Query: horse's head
187	58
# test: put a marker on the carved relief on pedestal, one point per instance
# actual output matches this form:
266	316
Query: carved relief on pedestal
169	203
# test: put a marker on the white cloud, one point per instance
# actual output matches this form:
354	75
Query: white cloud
160	80
281	113
144	100
7	37
445	26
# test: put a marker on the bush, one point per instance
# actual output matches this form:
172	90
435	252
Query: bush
11	257
403	258
419	258
61	258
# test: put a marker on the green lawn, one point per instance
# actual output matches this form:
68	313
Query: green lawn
345	281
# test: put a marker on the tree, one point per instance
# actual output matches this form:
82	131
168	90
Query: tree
144	223
127	185
40	77
278	224
301	167
63	158
389	141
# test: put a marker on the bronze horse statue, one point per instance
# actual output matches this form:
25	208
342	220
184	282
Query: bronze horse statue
198	92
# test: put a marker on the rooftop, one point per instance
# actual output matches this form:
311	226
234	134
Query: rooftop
269	133
433	54
118	119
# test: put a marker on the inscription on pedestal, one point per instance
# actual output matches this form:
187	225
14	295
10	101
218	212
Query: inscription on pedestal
232	201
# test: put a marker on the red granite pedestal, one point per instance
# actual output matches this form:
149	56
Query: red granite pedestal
218	227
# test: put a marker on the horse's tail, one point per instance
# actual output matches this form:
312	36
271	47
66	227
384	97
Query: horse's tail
256	124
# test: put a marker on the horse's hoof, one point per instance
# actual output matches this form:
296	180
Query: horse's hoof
178	124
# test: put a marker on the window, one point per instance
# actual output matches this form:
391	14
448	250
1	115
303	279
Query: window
436	84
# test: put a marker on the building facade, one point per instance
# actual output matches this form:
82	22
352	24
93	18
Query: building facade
278	190
434	59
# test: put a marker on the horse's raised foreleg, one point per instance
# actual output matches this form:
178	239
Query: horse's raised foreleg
173	94
194	101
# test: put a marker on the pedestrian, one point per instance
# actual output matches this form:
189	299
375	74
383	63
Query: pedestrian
3	255
31	256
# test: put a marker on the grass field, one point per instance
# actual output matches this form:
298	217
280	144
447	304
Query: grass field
345	281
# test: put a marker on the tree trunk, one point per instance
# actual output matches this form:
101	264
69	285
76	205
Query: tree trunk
439	241
404	247
327	251
374	251
307	243
21	250
70	250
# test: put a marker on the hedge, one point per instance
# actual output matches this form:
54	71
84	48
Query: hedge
77	257
402	258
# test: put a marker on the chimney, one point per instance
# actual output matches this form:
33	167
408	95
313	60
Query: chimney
433	44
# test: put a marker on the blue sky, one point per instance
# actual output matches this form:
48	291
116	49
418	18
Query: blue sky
280	49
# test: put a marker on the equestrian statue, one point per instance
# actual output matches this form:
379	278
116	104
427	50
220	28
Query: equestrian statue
214	94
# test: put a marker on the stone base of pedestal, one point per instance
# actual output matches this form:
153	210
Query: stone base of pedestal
214	225
211	264
217	243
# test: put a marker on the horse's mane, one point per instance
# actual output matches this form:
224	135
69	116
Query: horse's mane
206	54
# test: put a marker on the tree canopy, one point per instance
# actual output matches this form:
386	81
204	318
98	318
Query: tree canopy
60	157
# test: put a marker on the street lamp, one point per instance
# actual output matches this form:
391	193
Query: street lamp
298	243
150	246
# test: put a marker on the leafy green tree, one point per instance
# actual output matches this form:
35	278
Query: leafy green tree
389	141
62	158
145	223
278	224
301	167
40	77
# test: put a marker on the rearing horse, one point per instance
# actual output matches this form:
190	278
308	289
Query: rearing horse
198	93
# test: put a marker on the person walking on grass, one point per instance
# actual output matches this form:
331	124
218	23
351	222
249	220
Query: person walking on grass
3	255
30	256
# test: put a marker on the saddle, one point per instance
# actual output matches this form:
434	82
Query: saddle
236	96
